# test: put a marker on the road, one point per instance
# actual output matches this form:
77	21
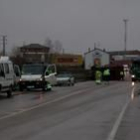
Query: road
83	112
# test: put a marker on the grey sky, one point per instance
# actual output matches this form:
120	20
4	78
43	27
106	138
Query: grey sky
77	23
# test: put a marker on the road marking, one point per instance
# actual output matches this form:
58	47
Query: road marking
118	122
46	103
42	104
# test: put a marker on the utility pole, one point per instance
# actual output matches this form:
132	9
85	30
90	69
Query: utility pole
125	37
4	41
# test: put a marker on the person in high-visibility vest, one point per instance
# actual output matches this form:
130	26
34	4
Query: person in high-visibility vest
106	75
98	77
49	86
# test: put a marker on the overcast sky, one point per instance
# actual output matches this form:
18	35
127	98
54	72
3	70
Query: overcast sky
76	23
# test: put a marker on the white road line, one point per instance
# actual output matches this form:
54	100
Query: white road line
41	105
118	122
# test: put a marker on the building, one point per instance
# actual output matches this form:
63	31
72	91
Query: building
67	59
96	57
34	53
123	58
121	55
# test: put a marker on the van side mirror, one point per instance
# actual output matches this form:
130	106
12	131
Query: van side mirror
17	74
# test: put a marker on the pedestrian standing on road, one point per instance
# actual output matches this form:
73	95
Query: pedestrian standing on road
98	77
106	75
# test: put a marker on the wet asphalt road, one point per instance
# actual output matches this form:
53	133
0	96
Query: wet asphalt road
83	112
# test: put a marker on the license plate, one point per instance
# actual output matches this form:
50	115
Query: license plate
30	86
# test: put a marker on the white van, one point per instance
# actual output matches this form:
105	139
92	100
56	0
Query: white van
37	76
6	76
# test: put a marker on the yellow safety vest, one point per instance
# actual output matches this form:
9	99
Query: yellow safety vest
106	72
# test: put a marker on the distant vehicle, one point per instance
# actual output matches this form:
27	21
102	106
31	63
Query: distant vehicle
38	76
135	70
65	79
6	76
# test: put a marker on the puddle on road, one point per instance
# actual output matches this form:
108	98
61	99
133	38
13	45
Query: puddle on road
132	94
39	97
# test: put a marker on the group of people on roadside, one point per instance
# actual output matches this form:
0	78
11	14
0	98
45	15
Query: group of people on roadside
105	76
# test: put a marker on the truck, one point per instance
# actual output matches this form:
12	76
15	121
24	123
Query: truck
135	70
38	76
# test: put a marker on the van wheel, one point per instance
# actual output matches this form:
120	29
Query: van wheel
20	88
43	89
49	87
14	87
73	84
9	93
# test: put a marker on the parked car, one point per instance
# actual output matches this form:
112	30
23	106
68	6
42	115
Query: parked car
65	79
135	70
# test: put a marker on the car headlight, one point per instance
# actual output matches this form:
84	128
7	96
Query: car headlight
133	76
41	79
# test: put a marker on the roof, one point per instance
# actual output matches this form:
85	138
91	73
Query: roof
98	50
4	59
129	52
67	55
119	63
34	46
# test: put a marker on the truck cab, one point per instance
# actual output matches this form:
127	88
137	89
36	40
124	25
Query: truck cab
135	70
37	76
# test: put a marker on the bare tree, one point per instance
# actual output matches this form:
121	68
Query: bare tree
15	51
58	48
49	43
16	57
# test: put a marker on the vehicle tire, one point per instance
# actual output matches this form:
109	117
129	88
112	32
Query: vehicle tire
49	87
44	88
9	93
73	84
21	88
28	89
13	87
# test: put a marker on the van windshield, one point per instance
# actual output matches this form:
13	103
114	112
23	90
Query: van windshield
33	69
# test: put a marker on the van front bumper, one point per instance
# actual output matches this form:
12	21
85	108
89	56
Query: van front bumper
34	84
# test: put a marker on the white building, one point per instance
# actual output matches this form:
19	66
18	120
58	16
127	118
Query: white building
96	57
